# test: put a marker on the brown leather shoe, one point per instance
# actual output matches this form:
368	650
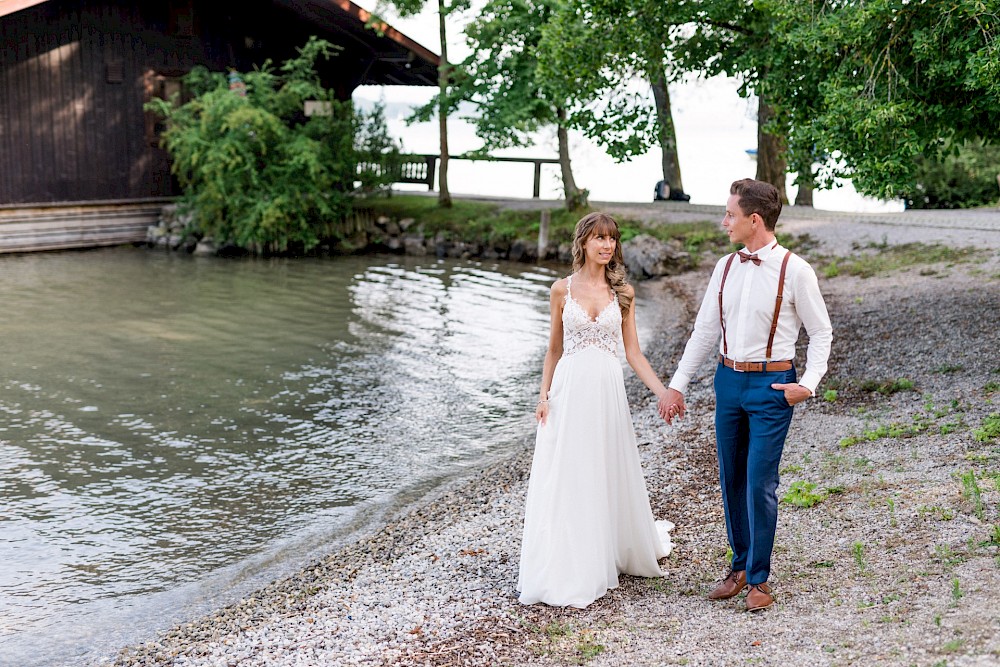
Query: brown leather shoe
732	585
759	597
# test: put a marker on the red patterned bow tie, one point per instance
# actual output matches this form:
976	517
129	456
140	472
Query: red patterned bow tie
753	258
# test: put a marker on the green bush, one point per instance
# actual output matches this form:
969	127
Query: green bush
255	170
965	178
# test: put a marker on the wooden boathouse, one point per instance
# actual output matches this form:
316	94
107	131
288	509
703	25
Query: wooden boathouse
80	162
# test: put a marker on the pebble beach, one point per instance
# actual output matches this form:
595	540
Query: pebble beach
888	543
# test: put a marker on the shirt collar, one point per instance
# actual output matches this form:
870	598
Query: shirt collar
766	251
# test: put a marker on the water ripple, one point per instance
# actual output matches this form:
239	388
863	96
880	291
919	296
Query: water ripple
168	423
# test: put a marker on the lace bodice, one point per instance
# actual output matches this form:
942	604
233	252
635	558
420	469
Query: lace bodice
581	332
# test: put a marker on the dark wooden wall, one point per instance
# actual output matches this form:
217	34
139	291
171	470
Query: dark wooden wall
74	75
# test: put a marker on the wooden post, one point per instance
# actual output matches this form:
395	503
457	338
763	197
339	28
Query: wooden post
543	225
538	180
431	164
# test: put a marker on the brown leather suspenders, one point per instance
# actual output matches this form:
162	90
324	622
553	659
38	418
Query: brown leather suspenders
777	303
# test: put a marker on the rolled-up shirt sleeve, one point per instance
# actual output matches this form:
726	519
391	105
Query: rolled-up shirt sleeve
811	309
705	337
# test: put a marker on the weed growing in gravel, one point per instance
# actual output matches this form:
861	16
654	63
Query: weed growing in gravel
991	387
858	551
587	646
887	387
944	554
830	395
949	368
891	502
939	513
990	429
951	647
893	430
956	590
972	493
556	629
801	494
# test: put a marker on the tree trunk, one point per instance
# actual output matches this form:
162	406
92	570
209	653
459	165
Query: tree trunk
668	137
572	193
771	165
444	72
804	197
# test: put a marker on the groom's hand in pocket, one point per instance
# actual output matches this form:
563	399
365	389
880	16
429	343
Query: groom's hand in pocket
794	392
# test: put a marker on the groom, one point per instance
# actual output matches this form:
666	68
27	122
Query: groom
756	302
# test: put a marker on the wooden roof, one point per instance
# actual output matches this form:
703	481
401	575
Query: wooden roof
395	58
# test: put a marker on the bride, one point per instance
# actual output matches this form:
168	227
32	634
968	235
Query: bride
587	515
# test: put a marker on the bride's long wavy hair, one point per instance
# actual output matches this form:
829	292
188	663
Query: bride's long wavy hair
614	271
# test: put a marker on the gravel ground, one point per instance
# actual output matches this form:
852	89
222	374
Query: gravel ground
896	563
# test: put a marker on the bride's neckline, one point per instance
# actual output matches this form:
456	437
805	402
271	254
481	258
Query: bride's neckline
592	318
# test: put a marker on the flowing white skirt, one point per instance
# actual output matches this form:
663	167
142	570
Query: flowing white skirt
587	515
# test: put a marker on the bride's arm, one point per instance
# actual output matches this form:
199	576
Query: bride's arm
633	353
557	297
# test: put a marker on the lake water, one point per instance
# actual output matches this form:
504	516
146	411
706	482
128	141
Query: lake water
176	431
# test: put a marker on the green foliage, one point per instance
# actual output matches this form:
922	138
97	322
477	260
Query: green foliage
830	395
887	387
881	258
893	430
802	494
873	87
962	178
485	223
972	493
990	430
255	171
858	551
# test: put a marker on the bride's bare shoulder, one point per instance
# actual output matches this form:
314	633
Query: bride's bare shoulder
560	287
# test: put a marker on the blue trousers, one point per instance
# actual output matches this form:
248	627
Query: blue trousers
751	422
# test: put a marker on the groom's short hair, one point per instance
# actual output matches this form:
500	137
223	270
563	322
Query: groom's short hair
758	197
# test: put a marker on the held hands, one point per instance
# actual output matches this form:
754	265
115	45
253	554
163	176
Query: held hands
794	392
670	405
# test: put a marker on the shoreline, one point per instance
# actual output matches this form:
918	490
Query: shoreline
435	585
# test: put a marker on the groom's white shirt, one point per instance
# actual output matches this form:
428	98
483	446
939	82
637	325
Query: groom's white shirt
748	308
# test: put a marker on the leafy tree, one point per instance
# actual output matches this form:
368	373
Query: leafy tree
445	75
501	77
964	178
629	49
719	37
255	170
874	86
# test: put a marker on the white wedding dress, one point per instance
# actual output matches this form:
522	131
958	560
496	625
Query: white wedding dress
587	515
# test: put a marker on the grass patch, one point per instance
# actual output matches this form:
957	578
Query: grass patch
972	493
802	494
587	647
878	258
888	387
487	223
990	430
893	430
858	551
936	511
